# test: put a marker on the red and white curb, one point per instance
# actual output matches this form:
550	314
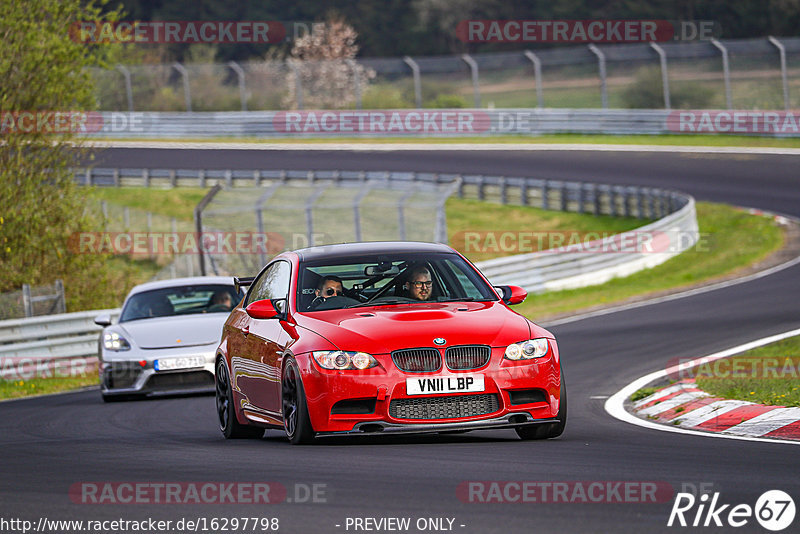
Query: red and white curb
683	408
684	405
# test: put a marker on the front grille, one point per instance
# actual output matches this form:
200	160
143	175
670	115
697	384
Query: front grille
444	407
181	380
417	360
467	356
121	374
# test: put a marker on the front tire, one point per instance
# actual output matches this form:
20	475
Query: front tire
231	428
549	430
294	406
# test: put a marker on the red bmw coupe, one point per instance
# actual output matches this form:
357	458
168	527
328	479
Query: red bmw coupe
367	338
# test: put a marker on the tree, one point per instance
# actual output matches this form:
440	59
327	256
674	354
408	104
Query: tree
44	79
323	60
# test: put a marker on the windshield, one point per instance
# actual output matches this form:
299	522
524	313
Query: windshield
180	300
389	279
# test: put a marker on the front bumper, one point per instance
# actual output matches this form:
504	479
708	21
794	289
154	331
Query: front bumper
133	372
506	421
523	392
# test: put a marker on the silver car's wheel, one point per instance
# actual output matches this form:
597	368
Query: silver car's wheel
230	427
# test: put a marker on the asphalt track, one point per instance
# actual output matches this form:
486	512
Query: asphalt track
51	443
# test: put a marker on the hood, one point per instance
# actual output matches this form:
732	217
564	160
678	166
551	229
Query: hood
163	332
382	329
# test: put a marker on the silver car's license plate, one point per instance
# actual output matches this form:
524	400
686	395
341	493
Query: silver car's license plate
182	362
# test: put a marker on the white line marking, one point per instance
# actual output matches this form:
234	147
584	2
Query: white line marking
615	405
433	146
599	397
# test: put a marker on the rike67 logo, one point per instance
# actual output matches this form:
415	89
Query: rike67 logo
774	510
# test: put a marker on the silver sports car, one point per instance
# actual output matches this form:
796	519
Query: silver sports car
166	336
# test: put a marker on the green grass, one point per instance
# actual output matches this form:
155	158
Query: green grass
659	140
178	203
14	389
476	216
642	393
766	375
731	239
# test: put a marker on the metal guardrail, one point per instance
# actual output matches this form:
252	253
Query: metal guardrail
444	123
25	343
599	261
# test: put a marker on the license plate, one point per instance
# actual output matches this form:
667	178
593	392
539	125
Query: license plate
183	362
444	384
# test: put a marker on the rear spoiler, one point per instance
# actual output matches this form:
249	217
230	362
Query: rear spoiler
242	281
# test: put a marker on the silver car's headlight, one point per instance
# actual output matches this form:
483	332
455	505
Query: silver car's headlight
527	350
340	360
114	341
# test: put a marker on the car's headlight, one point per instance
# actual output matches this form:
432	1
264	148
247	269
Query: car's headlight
114	341
338	359
527	350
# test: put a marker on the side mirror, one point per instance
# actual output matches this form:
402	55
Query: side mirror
262	309
103	320
512	294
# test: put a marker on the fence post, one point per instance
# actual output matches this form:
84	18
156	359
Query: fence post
201	177
662	56
595	190
473	67
601	65
27	303
580	198
639	203
626	198
356	81
612	201
242	84
146	177
357	211
61	300
116	177
417	80
537	76
198	224
128	87
523	192
726	72
546	195
562	189
298	84
481	187
784	79
310	213
503	191
172	178
187	94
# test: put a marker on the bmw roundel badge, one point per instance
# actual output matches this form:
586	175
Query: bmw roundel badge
439	340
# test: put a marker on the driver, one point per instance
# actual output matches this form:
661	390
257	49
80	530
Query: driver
419	284
328	287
